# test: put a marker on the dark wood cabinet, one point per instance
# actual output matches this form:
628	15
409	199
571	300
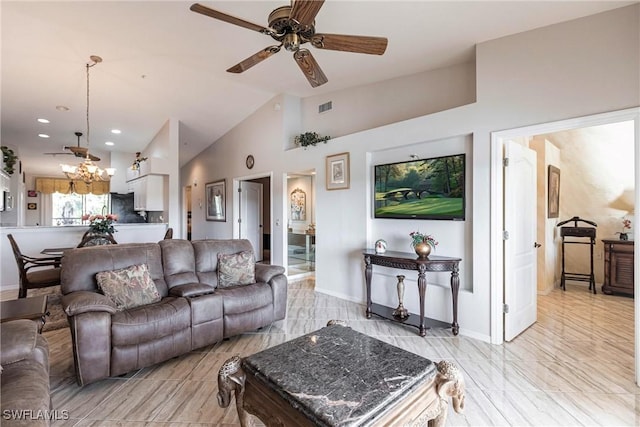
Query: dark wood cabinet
618	266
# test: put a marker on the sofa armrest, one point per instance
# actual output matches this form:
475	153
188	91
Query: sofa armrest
189	290
18	339
265	272
86	301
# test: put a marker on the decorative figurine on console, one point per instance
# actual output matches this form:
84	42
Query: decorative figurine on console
381	246
400	312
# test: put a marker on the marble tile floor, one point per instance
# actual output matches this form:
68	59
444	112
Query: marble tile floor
574	367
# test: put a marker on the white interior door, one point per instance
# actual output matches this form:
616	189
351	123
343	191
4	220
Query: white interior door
251	200
520	224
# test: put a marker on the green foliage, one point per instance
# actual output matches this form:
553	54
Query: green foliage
9	158
310	138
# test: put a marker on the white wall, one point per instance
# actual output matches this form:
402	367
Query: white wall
582	67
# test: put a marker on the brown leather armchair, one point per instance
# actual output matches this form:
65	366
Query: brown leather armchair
35	272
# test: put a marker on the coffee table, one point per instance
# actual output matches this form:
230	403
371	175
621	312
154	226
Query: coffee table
339	377
33	308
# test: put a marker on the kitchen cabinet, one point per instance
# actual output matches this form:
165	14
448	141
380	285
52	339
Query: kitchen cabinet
618	266
148	193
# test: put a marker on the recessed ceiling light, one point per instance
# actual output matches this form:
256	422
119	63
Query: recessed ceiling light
43	135
62	108
109	143
116	131
43	120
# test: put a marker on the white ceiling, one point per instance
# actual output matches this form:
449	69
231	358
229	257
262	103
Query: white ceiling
161	60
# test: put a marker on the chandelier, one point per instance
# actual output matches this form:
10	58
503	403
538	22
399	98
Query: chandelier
88	171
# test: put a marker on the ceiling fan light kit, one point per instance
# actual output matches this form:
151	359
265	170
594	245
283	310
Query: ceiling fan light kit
293	26
87	171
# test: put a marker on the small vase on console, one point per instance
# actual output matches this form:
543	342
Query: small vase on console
422	244
422	250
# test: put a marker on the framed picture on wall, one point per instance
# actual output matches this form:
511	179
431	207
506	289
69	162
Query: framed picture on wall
215	193
298	205
32	206
338	171
554	192
32	193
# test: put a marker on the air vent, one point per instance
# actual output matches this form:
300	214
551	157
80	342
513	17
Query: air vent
322	108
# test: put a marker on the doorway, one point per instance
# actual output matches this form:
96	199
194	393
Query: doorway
498	284
187	209
301	228
254	215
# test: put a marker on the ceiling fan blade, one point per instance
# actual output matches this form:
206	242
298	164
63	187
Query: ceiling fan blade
82	152
310	67
198	8
254	59
305	11
347	43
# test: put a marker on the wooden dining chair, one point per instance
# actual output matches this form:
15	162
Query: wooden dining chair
92	239
35	273
169	233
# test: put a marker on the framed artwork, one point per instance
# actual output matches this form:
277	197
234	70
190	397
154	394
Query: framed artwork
554	192
32	206
338	171
298	205
215	193
32	193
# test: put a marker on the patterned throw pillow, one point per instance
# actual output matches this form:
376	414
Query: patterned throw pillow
236	269
129	287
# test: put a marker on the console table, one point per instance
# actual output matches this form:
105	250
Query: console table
409	261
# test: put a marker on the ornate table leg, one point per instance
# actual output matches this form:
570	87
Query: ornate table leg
455	287
231	378
400	312
422	288
368	271
449	383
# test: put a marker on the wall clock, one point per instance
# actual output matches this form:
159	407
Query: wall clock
250	161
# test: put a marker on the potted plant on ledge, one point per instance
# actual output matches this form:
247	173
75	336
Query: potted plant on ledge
310	138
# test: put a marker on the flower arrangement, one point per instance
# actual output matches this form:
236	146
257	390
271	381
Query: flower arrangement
418	237
136	163
101	223
626	224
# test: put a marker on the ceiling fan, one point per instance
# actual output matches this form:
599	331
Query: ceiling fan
292	26
78	151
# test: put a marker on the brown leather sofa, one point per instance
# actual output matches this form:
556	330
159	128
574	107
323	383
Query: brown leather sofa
25	375
193	312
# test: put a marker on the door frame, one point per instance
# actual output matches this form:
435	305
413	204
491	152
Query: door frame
235	217
497	203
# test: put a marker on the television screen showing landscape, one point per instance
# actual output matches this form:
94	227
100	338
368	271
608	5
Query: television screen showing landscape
421	189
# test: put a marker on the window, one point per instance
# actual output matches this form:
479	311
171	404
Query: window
67	209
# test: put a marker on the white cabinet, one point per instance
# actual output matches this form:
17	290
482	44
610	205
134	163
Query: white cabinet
148	193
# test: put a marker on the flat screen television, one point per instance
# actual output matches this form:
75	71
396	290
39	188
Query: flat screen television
431	188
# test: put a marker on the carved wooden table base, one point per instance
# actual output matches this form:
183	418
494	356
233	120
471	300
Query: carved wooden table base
418	398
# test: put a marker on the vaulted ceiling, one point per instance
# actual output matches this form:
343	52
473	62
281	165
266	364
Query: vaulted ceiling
161	60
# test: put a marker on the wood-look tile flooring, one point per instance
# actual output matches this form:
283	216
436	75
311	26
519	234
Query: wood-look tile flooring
573	367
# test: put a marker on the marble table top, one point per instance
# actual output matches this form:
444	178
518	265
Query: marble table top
339	377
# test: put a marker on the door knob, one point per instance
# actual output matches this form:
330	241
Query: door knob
536	245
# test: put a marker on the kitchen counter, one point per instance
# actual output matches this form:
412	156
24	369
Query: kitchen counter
32	239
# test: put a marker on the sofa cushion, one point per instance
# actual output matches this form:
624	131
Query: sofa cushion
18	340
150	322
236	269
240	299
206	253
178	262
80	265
129	287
